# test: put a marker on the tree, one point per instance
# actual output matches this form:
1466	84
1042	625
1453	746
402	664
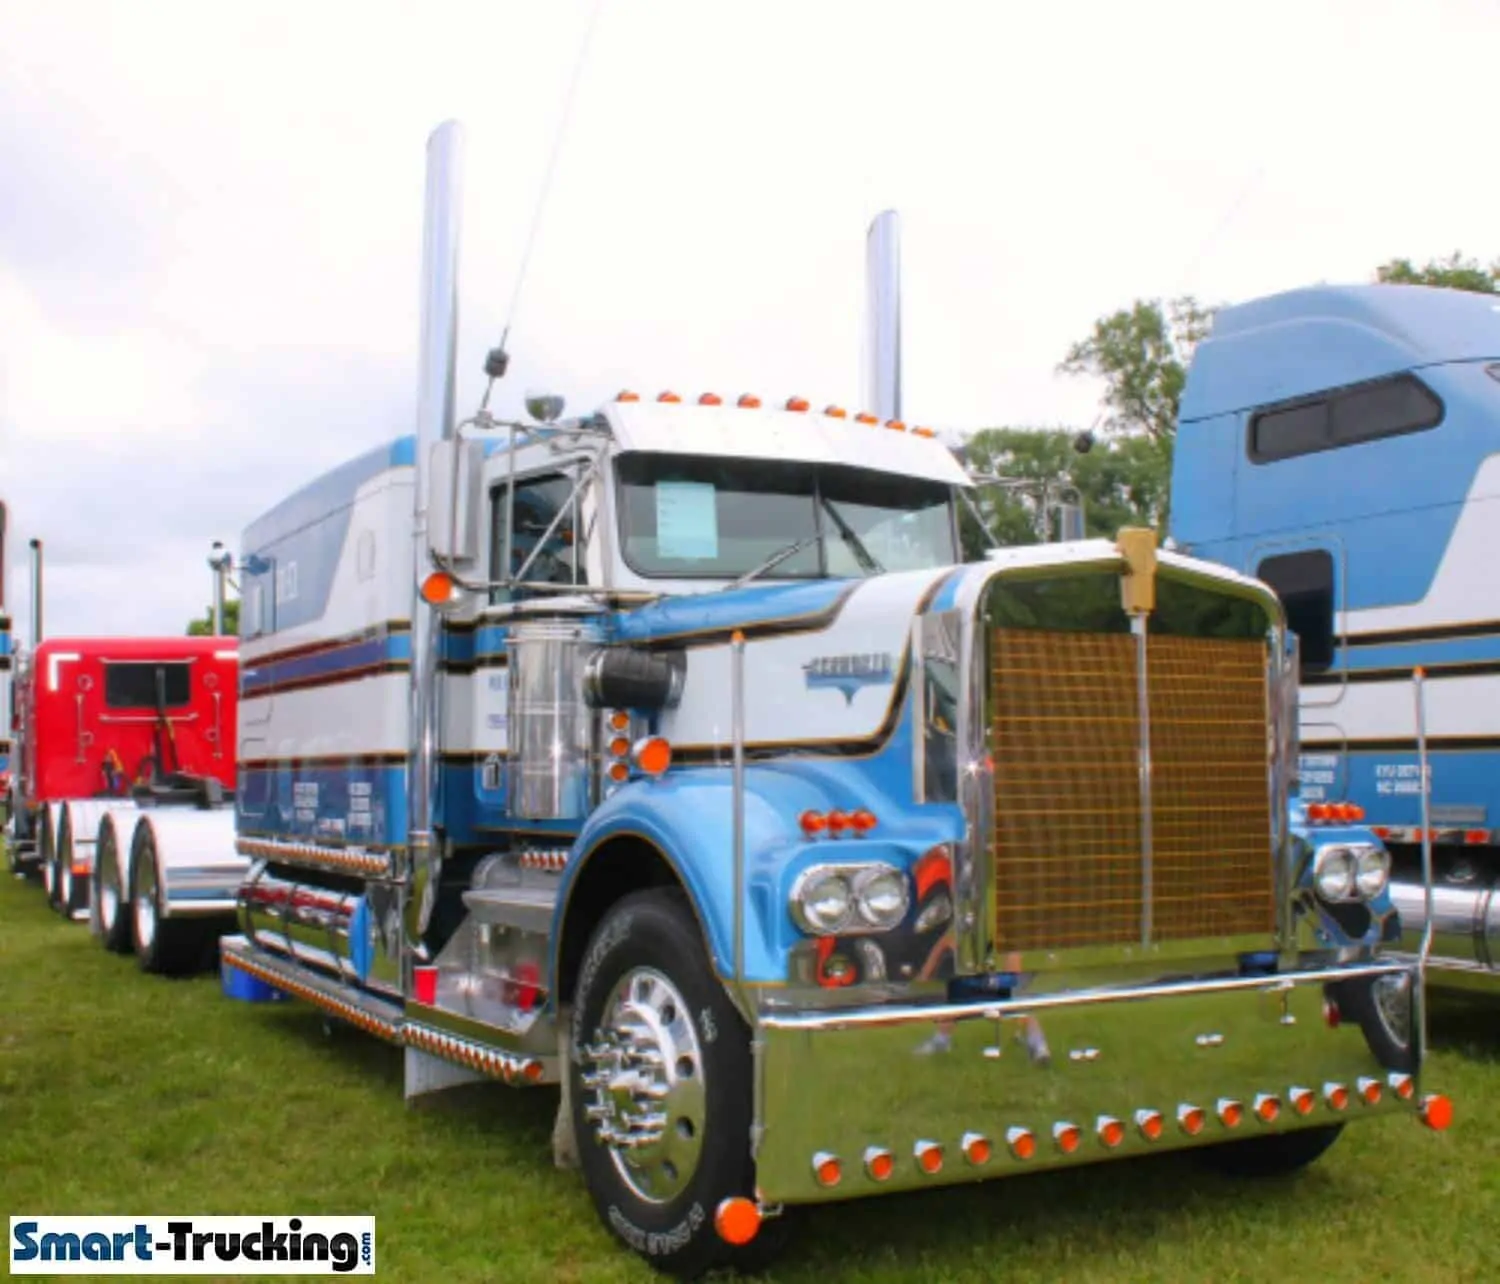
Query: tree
1142	354
1121	481
205	626
1455	273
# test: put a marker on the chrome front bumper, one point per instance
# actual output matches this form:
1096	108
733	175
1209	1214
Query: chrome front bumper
853	1085
1465	932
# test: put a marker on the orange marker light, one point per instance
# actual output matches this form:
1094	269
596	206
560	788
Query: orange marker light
827	1169
653	755
929	1157
1267	1108
1230	1112
977	1149
439	589
1336	1095
737	1220
1190	1119
710	399
619	772
619	747
865	418
1021	1141
670	397
835	412
796	403
862	821
838	821
813	823
626	395
748	401
619	720
1149	1122
1067	1136
895	425
1369	1091
1317	811
1402	1085
1437	1112
1111	1131
878	1163
1303	1100
923	432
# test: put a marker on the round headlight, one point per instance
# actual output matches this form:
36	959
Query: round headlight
1334	873
823	903
1372	870
881	898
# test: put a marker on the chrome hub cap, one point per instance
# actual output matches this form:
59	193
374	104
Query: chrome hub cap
643	1086
49	875
145	908
65	886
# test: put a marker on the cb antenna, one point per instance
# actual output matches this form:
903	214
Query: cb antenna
498	360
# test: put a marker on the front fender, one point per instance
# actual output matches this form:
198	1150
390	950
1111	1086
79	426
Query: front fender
688	817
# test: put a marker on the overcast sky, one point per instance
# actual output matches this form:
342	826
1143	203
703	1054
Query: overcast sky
210	217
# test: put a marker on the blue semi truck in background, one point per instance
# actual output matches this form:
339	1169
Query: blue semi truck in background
1342	444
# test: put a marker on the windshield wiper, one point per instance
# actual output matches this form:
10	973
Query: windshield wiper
776	559
862	555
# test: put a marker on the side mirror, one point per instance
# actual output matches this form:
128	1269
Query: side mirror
454	502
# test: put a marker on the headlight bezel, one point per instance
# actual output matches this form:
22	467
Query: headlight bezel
1380	864
859	879
1341	872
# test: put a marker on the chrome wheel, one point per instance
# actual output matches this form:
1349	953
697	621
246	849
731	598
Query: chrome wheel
49	877
65	886
643	1076
1392	1003
145	905
109	898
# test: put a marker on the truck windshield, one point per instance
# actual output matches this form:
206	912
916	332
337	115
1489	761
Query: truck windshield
691	517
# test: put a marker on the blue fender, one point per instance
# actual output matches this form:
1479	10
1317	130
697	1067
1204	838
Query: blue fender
688	817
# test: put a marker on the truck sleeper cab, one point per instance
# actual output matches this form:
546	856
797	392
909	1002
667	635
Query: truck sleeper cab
705	854
1343	444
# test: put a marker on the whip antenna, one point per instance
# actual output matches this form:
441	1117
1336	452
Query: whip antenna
498	359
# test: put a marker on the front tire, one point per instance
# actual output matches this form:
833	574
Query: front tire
1277	1155
110	896
46	850
660	1082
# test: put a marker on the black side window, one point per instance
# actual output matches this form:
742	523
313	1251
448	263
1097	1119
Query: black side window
1304	583
137	685
1344	418
536	507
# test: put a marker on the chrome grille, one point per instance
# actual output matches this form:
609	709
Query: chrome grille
1069	854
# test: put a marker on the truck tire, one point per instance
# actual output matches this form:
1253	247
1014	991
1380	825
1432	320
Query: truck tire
1381	1007
1273	1156
111	897
71	895
168	946
46	850
650	1013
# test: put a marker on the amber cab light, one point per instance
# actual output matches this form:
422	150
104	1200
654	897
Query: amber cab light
865	418
796	403
439	589
737	1220
710	399
813	823
748	401
670	397
1317	811
835	412
923	432
895	425
627	395
652	755
862	821
838	821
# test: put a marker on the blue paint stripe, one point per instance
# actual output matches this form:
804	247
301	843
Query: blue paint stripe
1395	655
730	609
257	678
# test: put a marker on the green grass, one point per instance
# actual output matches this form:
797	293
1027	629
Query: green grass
127	1094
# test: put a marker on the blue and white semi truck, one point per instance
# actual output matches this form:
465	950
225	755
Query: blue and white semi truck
1343	445
671	754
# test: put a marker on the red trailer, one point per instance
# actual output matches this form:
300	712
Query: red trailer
117	724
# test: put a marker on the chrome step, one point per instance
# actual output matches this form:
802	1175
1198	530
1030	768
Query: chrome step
528	908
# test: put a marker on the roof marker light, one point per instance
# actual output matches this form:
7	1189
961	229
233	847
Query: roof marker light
895	425
864	417
670	397
796	403
813	822
835	412
627	395
923	432
710	399
748	401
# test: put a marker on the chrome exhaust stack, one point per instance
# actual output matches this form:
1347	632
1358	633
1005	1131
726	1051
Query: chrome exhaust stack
883	316
435	422
36	593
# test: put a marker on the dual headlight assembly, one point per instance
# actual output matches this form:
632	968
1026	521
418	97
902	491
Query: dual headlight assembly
1350	871
841	900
